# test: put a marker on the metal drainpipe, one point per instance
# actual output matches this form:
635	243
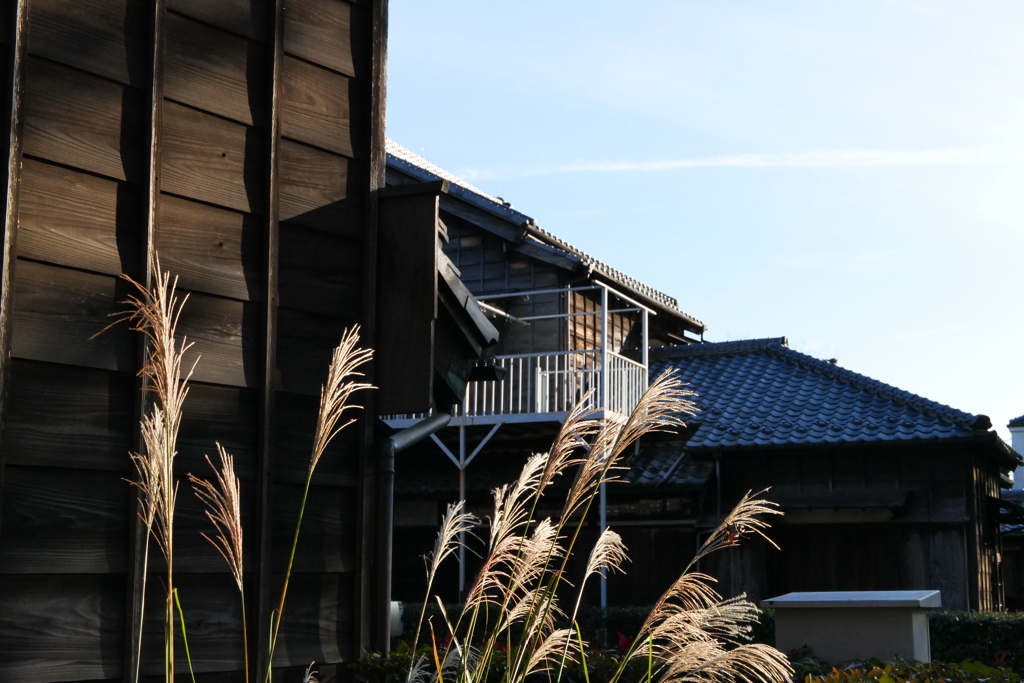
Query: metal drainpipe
385	517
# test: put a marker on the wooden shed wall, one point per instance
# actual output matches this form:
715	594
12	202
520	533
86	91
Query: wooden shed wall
257	180
984	538
942	537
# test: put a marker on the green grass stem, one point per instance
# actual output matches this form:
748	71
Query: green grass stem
184	636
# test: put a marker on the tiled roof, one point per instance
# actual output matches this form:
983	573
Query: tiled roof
415	165
1017	422
760	392
662	463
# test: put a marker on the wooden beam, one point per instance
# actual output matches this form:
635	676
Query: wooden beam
480	218
543	252
137	530
264	604
13	125
368	474
429	187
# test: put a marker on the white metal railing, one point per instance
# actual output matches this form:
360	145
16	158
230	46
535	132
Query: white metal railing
627	382
537	383
545	383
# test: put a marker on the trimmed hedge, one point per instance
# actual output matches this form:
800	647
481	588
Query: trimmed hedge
989	637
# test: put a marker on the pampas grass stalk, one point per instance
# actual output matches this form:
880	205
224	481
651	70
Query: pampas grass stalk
335	397
223	500
155	312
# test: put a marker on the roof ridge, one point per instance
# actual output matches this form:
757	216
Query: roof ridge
878	387
1016	422
716	348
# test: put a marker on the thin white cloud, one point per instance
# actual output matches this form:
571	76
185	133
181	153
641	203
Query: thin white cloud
843	158
920	334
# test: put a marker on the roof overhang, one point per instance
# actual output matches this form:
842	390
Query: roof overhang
529	239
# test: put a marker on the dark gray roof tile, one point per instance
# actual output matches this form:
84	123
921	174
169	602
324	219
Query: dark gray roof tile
761	392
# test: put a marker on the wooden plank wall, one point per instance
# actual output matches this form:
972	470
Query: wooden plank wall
272	264
983	535
487	266
927	544
585	330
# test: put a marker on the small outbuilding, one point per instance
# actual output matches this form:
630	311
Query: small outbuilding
882	489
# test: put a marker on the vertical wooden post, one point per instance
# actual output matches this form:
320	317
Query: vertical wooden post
365	545
264	603
12	171
137	530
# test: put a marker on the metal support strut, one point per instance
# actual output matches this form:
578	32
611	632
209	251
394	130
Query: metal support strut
462	462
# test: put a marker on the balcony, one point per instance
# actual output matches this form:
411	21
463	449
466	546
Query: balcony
545	386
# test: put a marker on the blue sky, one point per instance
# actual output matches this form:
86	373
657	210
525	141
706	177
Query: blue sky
849	175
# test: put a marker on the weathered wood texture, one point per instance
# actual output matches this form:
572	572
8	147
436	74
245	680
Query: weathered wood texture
67	511
585	325
408	239
15	47
927	506
487	266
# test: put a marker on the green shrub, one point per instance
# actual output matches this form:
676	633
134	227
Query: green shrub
989	637
811	670
601	665
601	627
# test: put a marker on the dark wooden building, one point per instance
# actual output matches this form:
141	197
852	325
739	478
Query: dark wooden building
244	141
882	489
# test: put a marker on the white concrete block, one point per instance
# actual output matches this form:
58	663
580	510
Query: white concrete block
842	626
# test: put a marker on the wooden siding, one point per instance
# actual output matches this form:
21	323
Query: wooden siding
935	538
245	159
585	330
983	536
488	266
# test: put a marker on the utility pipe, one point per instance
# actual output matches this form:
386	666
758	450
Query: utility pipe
385	517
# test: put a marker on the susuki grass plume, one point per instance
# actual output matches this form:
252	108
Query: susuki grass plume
335	401
223	501
155	312
692	634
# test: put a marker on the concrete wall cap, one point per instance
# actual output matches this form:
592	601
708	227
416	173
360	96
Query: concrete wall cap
853	599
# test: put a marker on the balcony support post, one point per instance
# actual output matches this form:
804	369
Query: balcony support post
604	348
603	524
643	341
603	502
462	462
